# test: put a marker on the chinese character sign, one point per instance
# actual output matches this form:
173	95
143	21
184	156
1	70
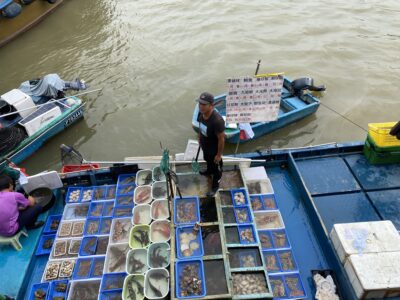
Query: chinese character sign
253	99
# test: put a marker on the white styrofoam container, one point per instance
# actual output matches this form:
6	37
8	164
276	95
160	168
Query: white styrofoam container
41	120
374	275
20	101
364	237
260	186
256	173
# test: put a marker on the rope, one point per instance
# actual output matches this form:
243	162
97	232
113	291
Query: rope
344	117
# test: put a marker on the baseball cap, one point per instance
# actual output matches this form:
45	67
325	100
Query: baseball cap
206	98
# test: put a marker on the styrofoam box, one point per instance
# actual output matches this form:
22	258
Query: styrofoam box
364	237
374	275
260	186
20	101
256	173
36	122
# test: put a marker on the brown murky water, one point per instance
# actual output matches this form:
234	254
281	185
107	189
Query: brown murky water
152	58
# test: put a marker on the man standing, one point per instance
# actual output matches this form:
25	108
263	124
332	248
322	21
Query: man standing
211	139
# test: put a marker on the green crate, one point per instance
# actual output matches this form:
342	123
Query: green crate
375	156
381	149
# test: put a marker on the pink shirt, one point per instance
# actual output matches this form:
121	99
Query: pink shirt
9	203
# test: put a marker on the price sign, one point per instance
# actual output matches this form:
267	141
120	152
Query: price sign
253	99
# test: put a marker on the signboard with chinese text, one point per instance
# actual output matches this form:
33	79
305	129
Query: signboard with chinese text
253	99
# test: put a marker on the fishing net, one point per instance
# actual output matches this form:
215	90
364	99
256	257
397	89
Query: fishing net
10	137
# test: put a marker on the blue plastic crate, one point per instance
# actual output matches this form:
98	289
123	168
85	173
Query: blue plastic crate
111	192
269	202
294	286
243	215
112	282
280	239
243	240
55	289
122	211
272	261
96	209
287	261
99	193
179	268
92	226
127	189
265	239
278	284
38	286
126	179
182	209
88	190
40	250
80	263
89	250
47	228
105	225
71	190
257	202
246	198
108	209
111	295
122	200
97	267
195	253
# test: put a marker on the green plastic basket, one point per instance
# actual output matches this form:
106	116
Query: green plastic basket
133	243
377	156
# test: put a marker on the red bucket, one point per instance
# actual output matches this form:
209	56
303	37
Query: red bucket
77	168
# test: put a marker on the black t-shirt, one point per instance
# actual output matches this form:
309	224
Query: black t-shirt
208	132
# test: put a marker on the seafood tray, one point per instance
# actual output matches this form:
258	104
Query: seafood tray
126	179
279	289
159	255
92	226
294	286
159	190
243	215
244	257
52	224
51	271
262	186
58	289
160	231
66	268
269	202
120	229
111	282
60	248
249	283
121	200
127	189
65	229
136	261
133	288
228	215
192	270
232	235
87	194
102	244
156	280
88	246
84	289
39	291
257	202
74	194
99	193
116	258
287	261
265	239
111	192
75	211
111	295
105	225
186	210
139	236
157	174
108	209
239	197
142	194
272	261
189	244
141	214
122	211
144	177
160	210
270	219
97	267
247	234
45	244
77	228
74	246
280	238
96	209
82	268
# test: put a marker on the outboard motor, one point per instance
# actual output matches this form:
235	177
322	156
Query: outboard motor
298	86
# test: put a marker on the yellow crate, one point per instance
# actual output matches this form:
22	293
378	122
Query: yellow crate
379	132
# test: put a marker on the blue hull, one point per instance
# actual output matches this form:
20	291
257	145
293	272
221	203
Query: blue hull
292	109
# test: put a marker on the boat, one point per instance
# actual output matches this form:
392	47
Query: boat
293	107
24	16
35	112
307	190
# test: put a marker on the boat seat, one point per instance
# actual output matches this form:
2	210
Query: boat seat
13	240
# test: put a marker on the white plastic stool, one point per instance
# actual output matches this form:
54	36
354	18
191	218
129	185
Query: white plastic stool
13	240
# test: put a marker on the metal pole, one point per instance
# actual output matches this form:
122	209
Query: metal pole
258	66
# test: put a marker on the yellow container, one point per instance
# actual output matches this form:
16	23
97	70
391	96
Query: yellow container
379	132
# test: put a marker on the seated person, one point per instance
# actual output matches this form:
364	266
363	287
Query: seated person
16	212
